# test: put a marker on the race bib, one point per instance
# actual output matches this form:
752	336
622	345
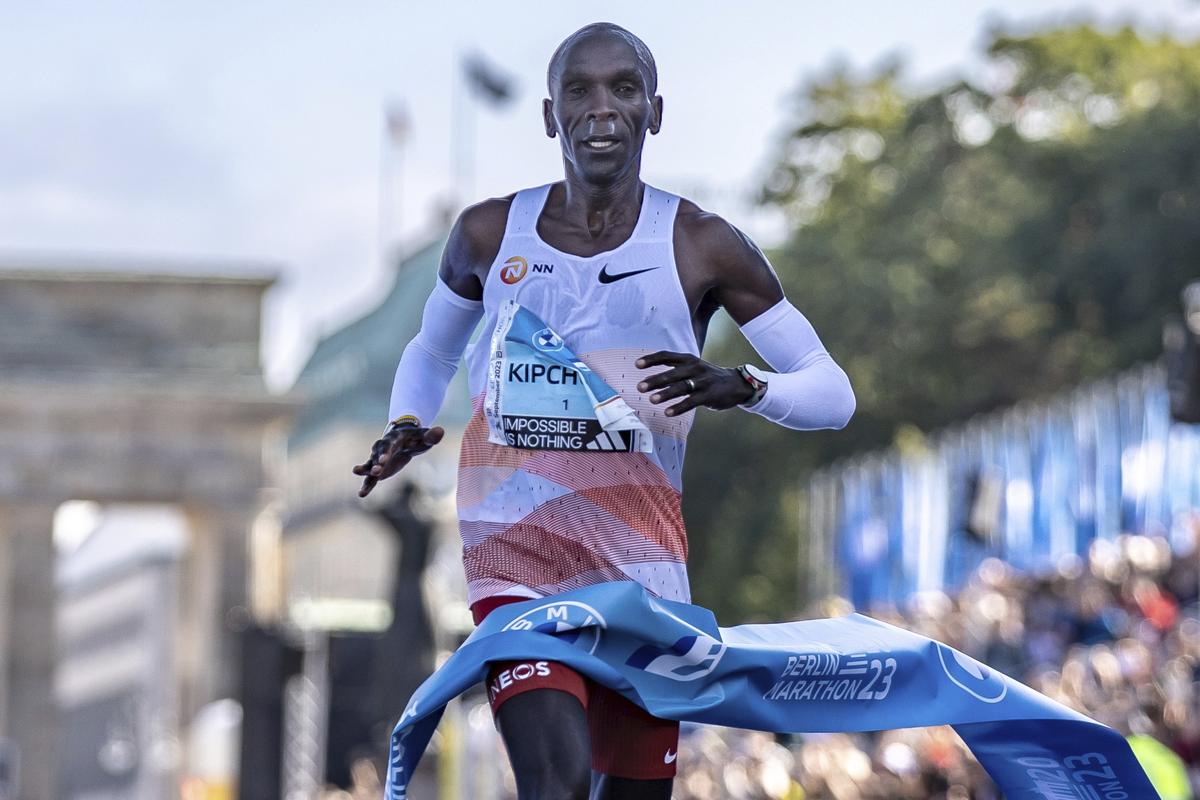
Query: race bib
540	396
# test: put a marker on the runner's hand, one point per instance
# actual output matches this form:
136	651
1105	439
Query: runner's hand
711	386
392	452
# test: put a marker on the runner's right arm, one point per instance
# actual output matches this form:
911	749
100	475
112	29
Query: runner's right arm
430	360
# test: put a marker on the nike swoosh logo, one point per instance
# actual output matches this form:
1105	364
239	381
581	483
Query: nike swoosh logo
669	758
608	277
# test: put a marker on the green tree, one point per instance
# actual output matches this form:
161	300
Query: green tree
958	251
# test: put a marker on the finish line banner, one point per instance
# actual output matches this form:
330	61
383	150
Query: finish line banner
828	675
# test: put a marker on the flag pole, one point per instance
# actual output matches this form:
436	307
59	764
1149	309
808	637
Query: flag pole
383	201
474	79
393	137
462	140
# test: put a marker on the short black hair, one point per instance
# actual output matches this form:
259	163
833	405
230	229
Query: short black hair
643	53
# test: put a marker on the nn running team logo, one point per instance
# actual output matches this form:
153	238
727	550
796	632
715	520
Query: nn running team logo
517	267
514	269
977	680
569	620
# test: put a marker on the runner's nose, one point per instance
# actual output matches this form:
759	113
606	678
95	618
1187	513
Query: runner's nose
602	113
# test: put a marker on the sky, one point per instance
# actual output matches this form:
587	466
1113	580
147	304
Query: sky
248	138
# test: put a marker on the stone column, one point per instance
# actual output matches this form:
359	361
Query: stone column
215	602
5	611
28	710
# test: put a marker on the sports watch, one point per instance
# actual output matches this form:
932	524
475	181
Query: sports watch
757	380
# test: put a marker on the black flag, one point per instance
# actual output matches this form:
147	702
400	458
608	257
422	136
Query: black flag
487	81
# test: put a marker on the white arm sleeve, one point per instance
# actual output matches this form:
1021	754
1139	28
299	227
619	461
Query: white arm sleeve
431	358
808	391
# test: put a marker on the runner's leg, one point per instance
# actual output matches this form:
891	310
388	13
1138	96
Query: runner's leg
540	708
546	734
606	787
633	753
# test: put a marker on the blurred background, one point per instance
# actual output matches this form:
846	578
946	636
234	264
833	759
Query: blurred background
218	226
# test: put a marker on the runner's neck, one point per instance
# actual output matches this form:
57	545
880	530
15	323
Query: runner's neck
598	209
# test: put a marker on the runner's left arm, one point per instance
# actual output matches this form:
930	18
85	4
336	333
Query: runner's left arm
807	389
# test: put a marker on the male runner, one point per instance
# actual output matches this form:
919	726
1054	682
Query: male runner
627	277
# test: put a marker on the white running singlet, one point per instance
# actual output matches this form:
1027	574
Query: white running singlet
539	522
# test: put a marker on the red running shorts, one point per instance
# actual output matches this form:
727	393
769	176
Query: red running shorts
627	742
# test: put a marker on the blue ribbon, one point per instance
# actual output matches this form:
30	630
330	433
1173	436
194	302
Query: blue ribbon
827	675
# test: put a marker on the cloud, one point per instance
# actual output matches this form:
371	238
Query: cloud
68	171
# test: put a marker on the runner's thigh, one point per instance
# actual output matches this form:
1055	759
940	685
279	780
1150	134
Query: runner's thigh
633	753
540	709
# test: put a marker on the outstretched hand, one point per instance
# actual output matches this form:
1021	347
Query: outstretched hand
393	451
697	381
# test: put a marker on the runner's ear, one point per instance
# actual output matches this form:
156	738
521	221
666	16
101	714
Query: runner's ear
656	115
548	117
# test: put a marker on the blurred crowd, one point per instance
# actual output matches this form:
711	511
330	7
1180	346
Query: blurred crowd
1115	636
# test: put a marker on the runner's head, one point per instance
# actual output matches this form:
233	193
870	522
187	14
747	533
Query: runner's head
602	81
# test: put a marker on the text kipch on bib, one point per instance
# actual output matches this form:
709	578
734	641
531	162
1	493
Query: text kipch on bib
541	396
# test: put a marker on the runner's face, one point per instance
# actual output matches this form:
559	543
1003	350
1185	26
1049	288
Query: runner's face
600	109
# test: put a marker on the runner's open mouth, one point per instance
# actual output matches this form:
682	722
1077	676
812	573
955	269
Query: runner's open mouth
601	143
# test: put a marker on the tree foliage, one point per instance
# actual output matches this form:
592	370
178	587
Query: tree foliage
958	251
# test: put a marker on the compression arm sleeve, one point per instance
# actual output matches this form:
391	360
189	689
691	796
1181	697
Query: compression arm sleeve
431	358
808	391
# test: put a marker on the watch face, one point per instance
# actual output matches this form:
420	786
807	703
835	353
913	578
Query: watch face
757	373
